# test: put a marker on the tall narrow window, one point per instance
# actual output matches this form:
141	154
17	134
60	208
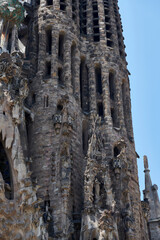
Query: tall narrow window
48	69
49	2
60	76
113	117
85	137
84	86
49	41
61	46
98	80
28	123
112	85
96	33
73	65
74	10
63	5
100	110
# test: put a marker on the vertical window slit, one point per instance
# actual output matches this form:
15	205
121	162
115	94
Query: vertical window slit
113	117
98	80
46	101
63	5
61	46
49	41
111	85
74	9
60	76
48	69
100	110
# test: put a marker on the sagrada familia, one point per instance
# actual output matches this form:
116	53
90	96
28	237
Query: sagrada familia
68	165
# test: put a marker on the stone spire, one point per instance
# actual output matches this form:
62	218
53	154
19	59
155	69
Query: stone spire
151	195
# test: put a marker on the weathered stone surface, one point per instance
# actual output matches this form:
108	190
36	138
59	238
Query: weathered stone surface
68	167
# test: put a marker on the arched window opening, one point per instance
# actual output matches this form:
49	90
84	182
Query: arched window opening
61	46
60	76
100	110
6	173
48	69
111	85
49	2
63	5
49	41
73	65
98	80
84	86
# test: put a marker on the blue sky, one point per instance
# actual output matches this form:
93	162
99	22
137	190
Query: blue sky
141	25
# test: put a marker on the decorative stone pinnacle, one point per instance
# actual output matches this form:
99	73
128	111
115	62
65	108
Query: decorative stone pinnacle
146	166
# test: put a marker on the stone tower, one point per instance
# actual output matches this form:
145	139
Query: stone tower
75	124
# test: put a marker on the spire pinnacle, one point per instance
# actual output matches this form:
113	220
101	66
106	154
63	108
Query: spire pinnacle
145	159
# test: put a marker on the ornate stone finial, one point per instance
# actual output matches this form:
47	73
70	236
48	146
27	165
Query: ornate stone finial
12	10
145	159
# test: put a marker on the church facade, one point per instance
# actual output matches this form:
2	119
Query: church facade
68	165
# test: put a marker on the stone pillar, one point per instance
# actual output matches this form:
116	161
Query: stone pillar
92	88
106	95
67	63
77	75
42	51
54	59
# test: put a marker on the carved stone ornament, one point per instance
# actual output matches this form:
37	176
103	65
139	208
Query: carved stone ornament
6	67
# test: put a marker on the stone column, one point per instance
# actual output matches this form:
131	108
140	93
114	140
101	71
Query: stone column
77	75
92	88
54	57
106	95
67	63
42	51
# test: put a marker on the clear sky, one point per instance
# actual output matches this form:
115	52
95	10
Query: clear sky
141	25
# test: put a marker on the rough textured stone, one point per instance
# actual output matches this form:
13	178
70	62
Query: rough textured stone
68	167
